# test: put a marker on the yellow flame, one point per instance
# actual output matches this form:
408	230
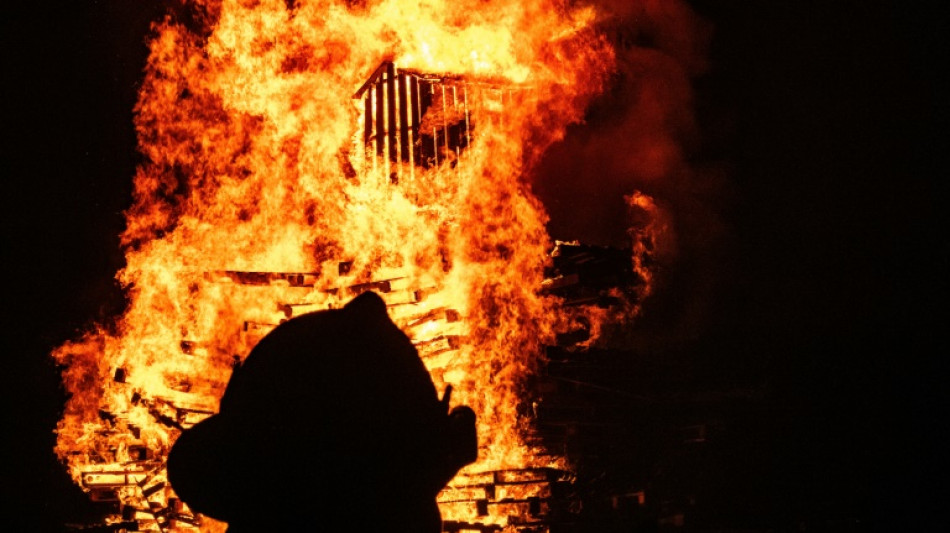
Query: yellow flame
256	190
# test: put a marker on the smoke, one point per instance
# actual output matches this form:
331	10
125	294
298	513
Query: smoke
642	136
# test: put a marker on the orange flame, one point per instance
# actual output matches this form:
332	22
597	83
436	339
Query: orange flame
257	202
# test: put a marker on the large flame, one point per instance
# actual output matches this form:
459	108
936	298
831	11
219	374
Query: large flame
257	201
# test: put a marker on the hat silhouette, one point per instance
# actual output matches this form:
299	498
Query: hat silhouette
332	416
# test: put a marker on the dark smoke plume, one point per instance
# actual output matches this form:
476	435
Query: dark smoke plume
642	135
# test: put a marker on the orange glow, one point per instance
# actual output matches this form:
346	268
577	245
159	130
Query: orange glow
258	201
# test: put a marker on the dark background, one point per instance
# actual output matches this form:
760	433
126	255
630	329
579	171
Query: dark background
836	275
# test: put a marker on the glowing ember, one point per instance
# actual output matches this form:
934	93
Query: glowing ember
269	191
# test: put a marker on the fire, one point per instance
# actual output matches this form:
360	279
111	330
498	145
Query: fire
263	196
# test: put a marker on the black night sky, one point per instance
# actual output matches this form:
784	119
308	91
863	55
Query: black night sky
830	120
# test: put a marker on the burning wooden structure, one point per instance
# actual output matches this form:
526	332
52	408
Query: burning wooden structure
263	197
415	119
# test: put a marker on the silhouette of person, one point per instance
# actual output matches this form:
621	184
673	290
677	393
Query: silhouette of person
331	423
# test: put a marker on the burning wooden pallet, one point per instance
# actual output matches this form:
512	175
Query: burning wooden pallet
525	500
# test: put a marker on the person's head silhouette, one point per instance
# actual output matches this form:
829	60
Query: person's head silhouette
331	417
